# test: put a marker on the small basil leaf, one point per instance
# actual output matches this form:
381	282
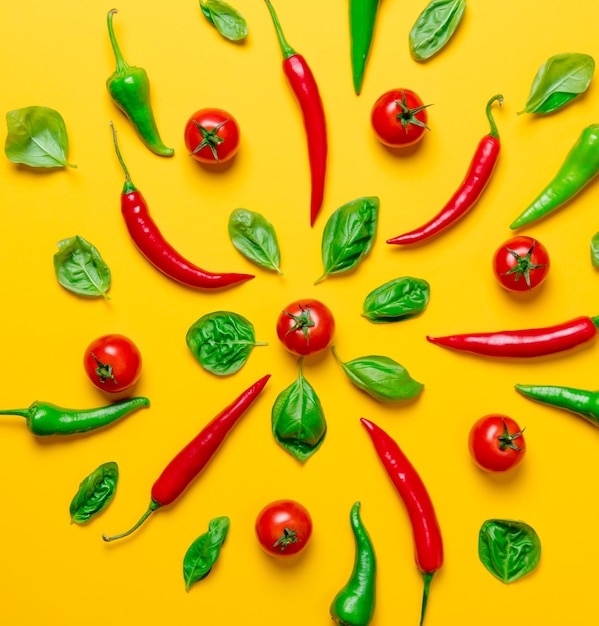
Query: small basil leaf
349	235
434	27
595	250
298	421
396	300
80	268
560	79
203	553
508	549
37	136
227	20
95	493
381	378
254	236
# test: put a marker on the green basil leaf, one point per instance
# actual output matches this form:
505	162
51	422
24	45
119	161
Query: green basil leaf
254	236
37	136
95	493
203	553
298	421
80	268
349	235
434	27
221	341
397	300
381	378
560	79
227	20
508	549
595	250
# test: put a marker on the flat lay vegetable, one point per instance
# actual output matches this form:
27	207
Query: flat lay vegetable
477	178
212	136
95	493
399	118
434	27
496	443
283	527
396	300
203	553
306	327
595	250
255	237
112	363
227	20
194	457
521	263
362	22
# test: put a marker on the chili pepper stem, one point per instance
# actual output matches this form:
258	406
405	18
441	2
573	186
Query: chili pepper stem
20	412
121	64
153	506
494	132
427	576
286	49
129	186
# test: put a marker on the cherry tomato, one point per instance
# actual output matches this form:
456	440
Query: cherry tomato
521	263
496	443
306	327
212	136
399	118
112	363
283	527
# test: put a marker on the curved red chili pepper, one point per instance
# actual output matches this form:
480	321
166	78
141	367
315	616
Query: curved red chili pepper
304	87
428	543
529	342
152	244
474	183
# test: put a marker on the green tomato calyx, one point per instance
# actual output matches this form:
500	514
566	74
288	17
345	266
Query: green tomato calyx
407	115
303	321
506	440
524	265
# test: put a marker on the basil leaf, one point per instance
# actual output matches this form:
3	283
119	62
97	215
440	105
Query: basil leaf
298	421
254	236
221	341
595	250
227	20
37	136
560	79
381	378
80	268
508	549
203	553
434	27
95	493
348	235
397	300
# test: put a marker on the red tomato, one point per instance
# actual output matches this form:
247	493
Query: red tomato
306	327
112	363
496	443
521	263
283	527
399	118
212	136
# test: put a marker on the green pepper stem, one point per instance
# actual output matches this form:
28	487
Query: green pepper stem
129	186
494	132
427	576
20	412
286	49
121	64
153	506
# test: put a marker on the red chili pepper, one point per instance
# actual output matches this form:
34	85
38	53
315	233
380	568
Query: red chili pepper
524	343
428	543
476	179
152	244
192	459
304	87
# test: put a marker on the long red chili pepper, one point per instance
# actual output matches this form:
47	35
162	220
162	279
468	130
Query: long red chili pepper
428	543
152	244
529	342
304	87
477	177
192	459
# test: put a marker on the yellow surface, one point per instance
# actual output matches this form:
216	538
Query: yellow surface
57	54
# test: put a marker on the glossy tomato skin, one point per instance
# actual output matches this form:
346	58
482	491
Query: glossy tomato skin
212	136
306	327
399	118
496	443
283	528
521	263
112	363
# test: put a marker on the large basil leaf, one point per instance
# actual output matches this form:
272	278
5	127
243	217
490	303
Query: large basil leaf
298	421
560	79
227	20
381	378
254	236
95	493
203	553
79	267
434	27
222	341
595	250
349	235
508	549
37	136
396	300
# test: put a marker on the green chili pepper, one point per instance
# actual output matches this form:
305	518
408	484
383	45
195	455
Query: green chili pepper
354	604
44	418
362	18
579	169
129	88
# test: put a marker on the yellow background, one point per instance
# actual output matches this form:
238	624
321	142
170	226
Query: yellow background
57	54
